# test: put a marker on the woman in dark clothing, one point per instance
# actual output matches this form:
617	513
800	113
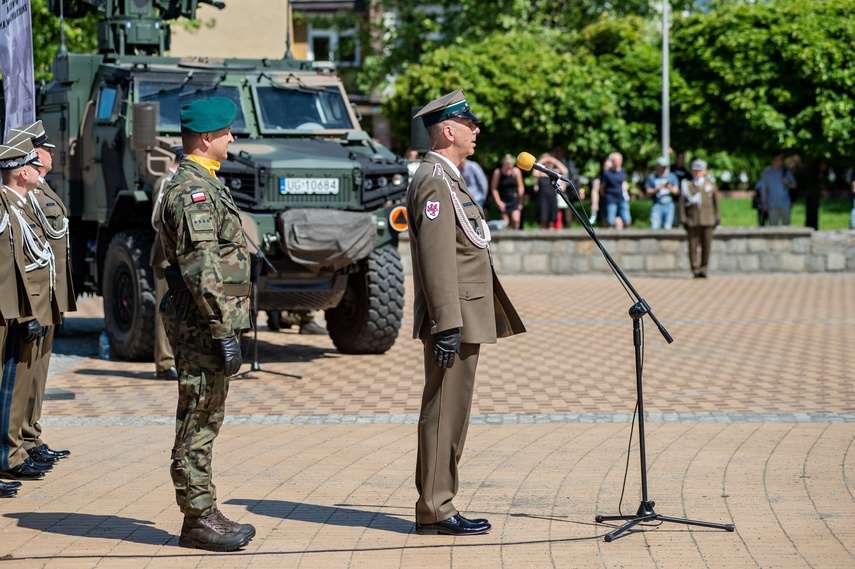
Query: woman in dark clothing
547	200
507	189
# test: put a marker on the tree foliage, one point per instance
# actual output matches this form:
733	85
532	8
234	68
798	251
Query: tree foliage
81	36
767	77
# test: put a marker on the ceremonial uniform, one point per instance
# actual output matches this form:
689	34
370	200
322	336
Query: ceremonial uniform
455	290
699	212
23	344
204	313
53	217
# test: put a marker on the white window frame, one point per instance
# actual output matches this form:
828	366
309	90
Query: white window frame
333	35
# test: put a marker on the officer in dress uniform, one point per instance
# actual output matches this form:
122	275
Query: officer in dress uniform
53	216
204	313
18	166
700	215
459	305
14	301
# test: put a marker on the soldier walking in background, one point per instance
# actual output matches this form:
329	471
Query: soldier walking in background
18	166
53	216
700	214
205	313
164	360
458	305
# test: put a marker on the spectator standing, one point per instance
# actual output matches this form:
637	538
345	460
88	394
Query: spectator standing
546	204
775	185
700	214
476	181
596	190
507	190
615	190
852	211
662	186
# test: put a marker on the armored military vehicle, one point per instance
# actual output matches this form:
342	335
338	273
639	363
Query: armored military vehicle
318	194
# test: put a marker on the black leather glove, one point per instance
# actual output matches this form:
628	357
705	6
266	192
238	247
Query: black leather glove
446	344
33	330
232	359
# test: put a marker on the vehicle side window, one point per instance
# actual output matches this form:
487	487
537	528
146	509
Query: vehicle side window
107	97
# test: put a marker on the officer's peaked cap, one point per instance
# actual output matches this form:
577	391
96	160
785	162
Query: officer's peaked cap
17	153
451	105
34	131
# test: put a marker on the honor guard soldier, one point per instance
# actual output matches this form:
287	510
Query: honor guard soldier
14	302
53	216
459	305
18	166
205	313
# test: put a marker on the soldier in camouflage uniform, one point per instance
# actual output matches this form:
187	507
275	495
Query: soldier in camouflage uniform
204	313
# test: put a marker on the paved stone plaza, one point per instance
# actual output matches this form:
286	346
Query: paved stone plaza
751	421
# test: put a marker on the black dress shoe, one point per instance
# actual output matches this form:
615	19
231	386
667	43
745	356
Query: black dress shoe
170	374
455	525
22	472
40	466
9	489
41	458
44	449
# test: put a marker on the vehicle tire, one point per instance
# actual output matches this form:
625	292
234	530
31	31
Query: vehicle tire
129	297
368	318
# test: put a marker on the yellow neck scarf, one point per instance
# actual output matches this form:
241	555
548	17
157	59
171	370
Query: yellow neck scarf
210	166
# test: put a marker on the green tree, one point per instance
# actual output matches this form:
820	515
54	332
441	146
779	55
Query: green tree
81	36
769	77
593	92
414	29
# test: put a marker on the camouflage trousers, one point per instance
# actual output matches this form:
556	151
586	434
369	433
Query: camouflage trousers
202	391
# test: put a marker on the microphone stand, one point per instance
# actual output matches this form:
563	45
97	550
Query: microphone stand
645	512
254	277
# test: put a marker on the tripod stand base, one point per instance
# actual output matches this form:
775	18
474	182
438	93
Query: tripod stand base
646	513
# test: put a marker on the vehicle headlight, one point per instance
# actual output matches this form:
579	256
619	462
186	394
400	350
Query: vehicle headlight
398	179
236	184
369	183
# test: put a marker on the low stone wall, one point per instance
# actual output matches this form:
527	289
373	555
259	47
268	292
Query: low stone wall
735	250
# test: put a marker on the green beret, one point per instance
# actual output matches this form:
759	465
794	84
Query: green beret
208	115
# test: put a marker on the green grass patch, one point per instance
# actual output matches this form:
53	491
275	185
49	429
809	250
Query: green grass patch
735	212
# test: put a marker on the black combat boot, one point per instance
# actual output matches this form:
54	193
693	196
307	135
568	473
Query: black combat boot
246	529
208	532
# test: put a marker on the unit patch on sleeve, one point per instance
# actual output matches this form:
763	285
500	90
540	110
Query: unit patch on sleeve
197	197
432	209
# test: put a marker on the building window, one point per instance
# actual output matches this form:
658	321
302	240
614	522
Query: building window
336	47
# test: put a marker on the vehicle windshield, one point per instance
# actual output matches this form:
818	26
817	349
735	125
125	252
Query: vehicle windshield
302	108
172	96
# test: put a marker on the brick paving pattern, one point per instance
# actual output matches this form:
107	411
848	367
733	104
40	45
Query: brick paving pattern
751	416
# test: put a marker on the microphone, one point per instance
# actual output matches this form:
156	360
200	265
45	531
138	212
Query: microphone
526	162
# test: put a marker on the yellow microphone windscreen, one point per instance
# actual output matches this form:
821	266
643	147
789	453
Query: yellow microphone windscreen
525	160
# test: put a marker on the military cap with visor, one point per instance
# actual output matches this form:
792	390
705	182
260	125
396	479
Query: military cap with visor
698	164
34	131
452	105
208	115
18	153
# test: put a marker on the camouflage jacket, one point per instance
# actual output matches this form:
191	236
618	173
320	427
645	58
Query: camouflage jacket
201	233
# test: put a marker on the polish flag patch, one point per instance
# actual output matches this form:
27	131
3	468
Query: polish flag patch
197	197
432	209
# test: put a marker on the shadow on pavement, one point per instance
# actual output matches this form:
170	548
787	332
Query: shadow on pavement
325	515
87	525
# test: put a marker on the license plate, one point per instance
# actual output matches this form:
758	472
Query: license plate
308	186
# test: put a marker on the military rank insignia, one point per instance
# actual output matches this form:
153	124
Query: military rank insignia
432	209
